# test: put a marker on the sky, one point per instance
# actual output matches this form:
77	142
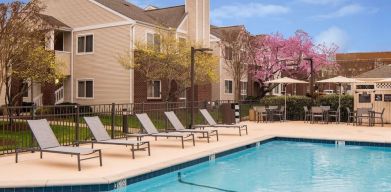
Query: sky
354	25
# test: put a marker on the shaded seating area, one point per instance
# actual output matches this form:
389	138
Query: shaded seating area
102	137
48	143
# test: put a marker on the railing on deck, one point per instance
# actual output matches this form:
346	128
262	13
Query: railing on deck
119	119
59	95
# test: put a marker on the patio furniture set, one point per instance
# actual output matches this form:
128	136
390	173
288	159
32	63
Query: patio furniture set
47	141
269	113
324	114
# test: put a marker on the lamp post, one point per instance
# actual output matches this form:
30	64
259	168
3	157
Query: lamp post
192	79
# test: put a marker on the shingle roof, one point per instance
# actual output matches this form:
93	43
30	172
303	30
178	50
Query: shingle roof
53	21
168	17
129	10
220	31
380	72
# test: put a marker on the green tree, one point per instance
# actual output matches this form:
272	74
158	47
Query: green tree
169	59
23	37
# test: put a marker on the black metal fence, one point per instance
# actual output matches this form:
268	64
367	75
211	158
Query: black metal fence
119	119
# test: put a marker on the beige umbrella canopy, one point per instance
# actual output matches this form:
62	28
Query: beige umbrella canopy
340	80
286	80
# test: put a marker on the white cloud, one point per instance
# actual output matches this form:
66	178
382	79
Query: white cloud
247	11
344	11
333	35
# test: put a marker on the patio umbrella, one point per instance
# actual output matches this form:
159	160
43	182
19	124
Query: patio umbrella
286	81
339	80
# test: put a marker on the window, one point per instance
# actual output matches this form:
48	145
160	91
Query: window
228	53
59	41
153	41
85	89
182	95
228	86
25	88
243	88
364	98
154	90
85	44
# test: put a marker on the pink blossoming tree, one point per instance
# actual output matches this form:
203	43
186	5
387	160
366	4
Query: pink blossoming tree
275	56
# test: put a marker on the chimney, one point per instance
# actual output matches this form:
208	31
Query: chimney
199	21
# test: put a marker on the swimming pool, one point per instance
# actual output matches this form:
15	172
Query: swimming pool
283	165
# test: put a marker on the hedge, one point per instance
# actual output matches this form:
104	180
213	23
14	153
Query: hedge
295	104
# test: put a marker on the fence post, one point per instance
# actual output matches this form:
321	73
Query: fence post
167	107
77	124
33	109
125	124
112	120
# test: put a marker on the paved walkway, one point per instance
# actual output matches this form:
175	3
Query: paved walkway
57	169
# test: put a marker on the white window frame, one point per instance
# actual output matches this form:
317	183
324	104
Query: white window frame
184	98
153	33
93	89
232	87
242	87
160	91
85	41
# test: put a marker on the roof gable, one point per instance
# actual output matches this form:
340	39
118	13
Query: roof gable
380	72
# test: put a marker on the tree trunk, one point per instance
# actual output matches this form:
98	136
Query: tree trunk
237	89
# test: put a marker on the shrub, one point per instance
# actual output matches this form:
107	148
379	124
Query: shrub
295	104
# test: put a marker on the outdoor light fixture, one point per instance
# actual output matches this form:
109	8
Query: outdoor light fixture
192	76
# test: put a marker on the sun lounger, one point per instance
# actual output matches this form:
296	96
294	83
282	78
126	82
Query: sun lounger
48	142
178	126
212	123
153	132
102	137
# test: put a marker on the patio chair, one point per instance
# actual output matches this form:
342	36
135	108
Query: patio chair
378	115
151	130
178	126
317	112
261	113
280	113
102	137
307	114
48	142
334	114
363	113
212	123
351	116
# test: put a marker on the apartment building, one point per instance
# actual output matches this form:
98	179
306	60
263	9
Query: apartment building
91	34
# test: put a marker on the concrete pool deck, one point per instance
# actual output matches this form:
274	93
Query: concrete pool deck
61	170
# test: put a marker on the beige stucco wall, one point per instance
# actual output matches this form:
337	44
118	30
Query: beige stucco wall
79	13
111	80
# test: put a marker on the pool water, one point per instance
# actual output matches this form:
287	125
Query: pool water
283	166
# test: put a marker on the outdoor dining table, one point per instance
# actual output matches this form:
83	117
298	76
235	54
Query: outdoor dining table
270	112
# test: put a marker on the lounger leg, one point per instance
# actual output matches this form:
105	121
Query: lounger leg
194	139
40	154
207	135
149	149
155	138
217	135
78	162
183	145
92	145
133	151
240	132
100	157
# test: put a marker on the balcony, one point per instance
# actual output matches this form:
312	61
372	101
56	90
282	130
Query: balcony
64	58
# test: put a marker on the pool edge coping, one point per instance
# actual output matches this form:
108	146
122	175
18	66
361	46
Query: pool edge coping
113	179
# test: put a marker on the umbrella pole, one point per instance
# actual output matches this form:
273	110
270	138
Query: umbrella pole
339	103
285	105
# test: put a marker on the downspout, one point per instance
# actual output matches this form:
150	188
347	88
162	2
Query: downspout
131	71
72	62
